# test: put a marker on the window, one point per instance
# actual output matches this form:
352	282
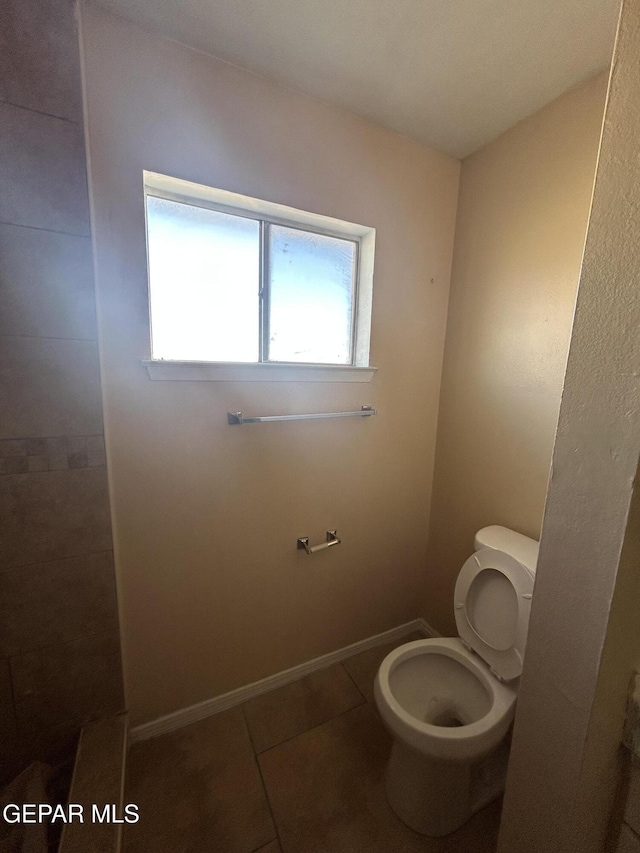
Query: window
238	280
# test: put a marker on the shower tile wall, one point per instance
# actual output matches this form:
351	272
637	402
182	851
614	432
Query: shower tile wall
59	641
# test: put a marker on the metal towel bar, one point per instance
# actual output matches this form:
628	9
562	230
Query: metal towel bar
238	418
332	539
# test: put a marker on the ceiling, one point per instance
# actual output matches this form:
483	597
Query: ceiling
452	74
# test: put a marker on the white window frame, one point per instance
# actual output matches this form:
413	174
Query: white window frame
186	192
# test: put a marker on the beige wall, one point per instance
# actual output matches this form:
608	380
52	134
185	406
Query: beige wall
584	631
522	216
213	593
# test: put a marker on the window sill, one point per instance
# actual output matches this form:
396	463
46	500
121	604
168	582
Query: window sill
209	371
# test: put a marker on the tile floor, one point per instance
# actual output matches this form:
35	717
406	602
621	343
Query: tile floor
298	770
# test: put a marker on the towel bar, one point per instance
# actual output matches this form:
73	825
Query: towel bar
238	418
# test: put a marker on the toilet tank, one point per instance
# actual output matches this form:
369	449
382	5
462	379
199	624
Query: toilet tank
522	548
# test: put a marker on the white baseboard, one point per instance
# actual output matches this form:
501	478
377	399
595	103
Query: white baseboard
178	719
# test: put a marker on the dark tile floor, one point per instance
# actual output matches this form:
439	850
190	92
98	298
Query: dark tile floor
298	770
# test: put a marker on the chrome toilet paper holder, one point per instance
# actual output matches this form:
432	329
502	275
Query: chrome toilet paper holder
332	539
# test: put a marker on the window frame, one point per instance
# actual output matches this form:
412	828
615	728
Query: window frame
268	213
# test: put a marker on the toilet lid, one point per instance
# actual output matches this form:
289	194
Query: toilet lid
492	604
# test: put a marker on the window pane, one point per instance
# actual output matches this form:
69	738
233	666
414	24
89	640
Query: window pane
311	296
204	283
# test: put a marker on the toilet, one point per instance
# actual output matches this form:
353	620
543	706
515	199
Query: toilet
448	702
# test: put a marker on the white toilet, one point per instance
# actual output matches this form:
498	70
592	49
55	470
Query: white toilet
449	702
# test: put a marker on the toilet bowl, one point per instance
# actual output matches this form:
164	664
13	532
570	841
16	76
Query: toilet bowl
443	701
448	703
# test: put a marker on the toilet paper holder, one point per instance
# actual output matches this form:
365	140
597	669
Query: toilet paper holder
332	539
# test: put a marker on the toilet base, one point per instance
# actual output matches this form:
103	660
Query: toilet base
436	798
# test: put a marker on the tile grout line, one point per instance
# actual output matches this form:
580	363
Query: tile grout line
264	846
364	701
313	728
46	562
42	228
60	434
46	338
354	682
14	656
16	106
262	782
47	471
14	703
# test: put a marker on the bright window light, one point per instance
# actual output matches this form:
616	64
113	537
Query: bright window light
244	282
311	287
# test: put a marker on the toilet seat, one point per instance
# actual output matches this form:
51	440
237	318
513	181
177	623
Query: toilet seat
492	604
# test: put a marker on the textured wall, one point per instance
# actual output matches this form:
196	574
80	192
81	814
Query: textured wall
206	516
59	643
522	218
584	630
